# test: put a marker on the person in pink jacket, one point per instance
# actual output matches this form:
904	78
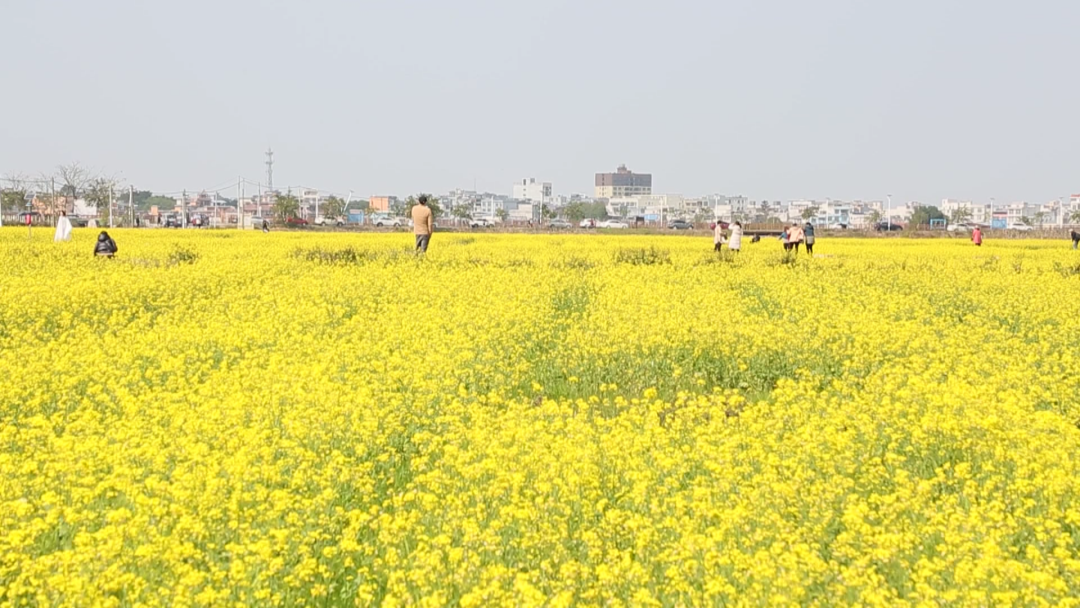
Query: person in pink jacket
976	237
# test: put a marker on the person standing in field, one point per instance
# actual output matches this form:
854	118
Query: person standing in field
808	235
423	223
1075	236
266	226
735	242
63	228
976	236
718	236
795	237
784	238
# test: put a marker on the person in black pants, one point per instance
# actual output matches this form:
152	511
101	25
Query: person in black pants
808	238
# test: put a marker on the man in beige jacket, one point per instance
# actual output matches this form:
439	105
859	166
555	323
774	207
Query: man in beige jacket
423	223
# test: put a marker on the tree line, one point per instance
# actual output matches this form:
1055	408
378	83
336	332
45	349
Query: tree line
58	190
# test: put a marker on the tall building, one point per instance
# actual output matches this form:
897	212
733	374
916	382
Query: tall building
382	204
532	191
623	183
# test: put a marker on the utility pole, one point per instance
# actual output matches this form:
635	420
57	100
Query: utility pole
183	210
889	216
131	203
239	203
258	203
110	205
270	169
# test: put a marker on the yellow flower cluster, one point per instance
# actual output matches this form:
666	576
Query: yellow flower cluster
238	418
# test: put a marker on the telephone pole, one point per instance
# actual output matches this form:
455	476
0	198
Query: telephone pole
270	169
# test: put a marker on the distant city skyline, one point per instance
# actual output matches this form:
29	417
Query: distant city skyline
784	100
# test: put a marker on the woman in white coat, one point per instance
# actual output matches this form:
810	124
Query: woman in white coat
718	236
63	228
735	242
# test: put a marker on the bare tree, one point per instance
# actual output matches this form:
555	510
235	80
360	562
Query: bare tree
98	193
13	192
73	179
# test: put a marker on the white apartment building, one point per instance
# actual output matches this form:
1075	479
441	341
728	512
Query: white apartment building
532	191
488	205
977	213
1016	212
522	212
1072	208
652	207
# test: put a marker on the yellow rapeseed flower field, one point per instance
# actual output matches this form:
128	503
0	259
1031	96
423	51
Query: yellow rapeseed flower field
236	418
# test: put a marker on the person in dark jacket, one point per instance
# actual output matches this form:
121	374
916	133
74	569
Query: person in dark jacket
105	245
808	237
1075	236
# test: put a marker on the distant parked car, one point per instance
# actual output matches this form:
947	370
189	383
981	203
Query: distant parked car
322	221
481	222
559	225
613	224
964	227
384	220
587	223
296	221
1021	227
680	225
887	227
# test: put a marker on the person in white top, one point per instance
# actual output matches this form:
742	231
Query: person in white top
63	228
735	242
718	236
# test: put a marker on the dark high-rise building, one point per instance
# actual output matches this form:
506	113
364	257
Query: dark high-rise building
623	183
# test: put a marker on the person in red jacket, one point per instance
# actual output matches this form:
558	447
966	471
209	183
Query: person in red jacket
976	236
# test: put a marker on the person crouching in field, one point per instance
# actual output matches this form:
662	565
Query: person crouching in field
105	246
976	236
423	223
718	236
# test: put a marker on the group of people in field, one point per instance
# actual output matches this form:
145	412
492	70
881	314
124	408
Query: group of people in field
795	235
733	240
792	237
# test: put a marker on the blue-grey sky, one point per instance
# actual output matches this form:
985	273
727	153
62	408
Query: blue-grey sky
776	99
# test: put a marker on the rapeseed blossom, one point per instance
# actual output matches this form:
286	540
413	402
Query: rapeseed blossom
223	418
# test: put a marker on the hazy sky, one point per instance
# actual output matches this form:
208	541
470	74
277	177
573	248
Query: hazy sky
923	99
